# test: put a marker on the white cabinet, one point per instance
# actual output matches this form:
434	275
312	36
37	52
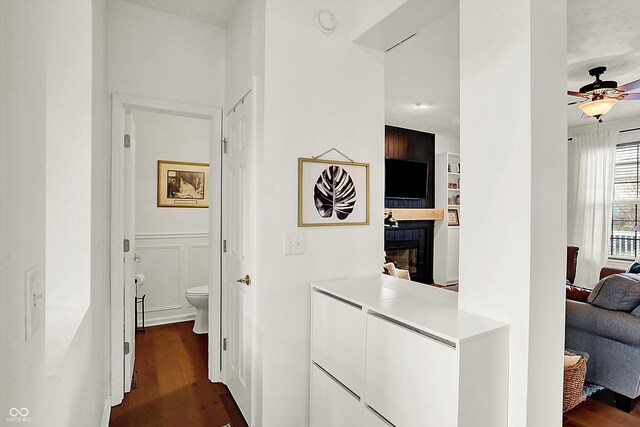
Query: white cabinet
387	352
338	339
332	405
411	377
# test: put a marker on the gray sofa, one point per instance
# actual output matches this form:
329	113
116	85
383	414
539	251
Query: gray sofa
612	340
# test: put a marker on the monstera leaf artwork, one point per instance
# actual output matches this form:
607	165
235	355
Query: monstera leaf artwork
334	192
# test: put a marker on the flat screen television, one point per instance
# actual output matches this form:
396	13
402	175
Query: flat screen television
406	179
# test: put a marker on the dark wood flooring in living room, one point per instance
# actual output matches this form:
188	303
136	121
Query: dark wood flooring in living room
172	384
599	411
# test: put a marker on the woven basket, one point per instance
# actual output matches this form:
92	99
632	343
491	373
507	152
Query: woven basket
574	381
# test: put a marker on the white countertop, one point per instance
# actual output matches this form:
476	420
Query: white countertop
433	310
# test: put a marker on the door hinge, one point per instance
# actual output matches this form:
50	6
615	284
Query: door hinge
126	348
127	245
224	344
224	145
224	246
127	141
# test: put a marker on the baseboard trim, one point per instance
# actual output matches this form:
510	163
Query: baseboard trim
106	412
165	320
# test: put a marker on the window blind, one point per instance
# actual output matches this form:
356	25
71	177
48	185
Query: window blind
624	240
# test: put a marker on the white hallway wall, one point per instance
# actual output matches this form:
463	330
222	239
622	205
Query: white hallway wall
171	242
158	55
321	91
513	232
75	395
163	56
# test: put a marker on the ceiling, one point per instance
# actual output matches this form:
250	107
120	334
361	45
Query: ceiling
426	67
214	12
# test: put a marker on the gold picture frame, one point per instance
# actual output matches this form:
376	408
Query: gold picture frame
317	184
183	184
453	217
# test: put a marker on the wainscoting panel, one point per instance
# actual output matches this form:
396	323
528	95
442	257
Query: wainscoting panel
171	263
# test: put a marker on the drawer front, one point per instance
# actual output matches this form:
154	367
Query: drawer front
338	333
411	380
372	419
331	404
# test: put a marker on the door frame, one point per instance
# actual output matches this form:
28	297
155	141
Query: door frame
120	103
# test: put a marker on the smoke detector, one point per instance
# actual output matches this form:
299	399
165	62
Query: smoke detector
326	21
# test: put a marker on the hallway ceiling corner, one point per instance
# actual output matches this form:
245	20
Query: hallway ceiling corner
214	12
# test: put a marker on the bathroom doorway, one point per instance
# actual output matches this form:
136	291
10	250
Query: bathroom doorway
165	226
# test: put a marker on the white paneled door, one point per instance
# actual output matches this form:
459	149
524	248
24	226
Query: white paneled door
238	260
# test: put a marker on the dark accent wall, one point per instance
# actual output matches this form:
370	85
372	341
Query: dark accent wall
407	144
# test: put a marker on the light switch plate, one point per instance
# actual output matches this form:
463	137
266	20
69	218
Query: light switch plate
293	243
33	301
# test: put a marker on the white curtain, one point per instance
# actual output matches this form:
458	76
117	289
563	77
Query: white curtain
590	201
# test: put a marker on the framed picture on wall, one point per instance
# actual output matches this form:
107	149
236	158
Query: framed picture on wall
183	184
332	192
452	217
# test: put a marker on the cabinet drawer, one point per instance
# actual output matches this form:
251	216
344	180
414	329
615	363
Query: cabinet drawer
372	419
338	335
331	404
411	379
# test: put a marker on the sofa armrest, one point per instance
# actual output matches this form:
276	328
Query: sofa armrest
606	271
614	325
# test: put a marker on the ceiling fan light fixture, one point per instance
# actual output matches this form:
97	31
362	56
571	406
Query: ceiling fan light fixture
598	107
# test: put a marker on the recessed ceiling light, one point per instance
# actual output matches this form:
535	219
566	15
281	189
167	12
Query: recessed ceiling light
423	105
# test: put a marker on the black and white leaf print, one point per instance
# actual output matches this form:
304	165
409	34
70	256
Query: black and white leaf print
334	191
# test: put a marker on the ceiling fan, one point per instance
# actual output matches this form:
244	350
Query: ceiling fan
600	96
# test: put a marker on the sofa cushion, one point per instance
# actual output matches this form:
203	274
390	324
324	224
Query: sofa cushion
614	325
634	268
636	312
619	292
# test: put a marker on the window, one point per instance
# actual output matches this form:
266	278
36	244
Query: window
626	200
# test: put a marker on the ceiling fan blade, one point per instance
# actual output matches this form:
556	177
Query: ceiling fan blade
630	86
632	96
572	93
573	103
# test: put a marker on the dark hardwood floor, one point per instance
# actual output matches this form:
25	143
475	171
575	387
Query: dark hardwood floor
599	411
173	389
172	384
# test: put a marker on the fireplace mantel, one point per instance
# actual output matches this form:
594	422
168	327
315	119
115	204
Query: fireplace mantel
401	214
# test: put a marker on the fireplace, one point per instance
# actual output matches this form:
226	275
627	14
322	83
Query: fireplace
410	247
404	254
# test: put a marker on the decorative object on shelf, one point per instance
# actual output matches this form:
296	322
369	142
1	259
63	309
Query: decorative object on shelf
453	218
453	186
183	184
450	201
457	199
390	220
448	167
458	182
458	167
332	192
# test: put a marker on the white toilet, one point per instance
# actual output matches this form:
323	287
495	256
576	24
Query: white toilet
199	298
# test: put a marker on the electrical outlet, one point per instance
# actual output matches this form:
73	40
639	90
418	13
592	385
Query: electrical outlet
293	243
33	302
